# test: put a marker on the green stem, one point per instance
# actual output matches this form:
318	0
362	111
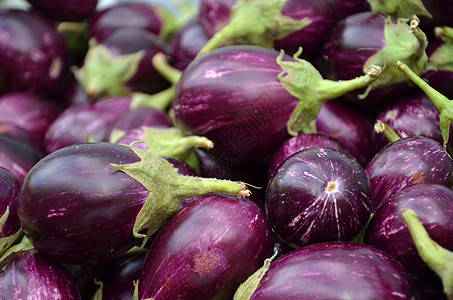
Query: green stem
389	133
160	63
444	32
160	101
189	186
226	33
436	257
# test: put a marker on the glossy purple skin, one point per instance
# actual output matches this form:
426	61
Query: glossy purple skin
412	115
351	126
214	15
408	162
318	195
33	55
86	122
302	142
186	44
68	10
232	96
17	156
120	284
206	250
142	116
121	15
129	40
336	270
311	38
346	8
387	231
75	208
352	42
9	191
27	111
30	275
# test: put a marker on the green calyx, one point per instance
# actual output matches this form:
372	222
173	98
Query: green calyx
403	42
103	74
172	19
7	241
442	103
167	188
399	9
248	287
439	259
442	58
23	246
256	23
160	101
302	80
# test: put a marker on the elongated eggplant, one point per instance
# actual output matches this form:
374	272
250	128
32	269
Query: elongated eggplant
92	202
206	250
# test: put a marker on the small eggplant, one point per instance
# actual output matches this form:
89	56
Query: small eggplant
91	202
318	195
206	250
408	162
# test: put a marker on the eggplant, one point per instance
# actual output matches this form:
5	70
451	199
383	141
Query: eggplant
206	250
30	275
318	195
33	55
351	126
17	156
72	10
346	8
302	142
334	270
368	38
440	72
308	23
408	162
235	97
30	112
142	116
91	202
388	231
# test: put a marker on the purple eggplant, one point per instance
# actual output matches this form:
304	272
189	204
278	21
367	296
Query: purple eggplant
68	10
33	55
17	156
142	116
346	8
351	126
302	142
30	275
206	250
318	195
92	202
368	38
408	162
27	111
335	270
440	74
235	97
214	15
186	44
411	115
9	220
388	232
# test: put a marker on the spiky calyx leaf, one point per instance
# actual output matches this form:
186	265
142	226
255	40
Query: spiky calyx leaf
399	9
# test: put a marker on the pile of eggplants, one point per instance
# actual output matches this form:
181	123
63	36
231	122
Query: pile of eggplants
226	149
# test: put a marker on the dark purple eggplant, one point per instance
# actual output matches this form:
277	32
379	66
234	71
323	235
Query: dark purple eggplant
388	232
299	23
318	195
186	44
235	97
17	156
335	270
440	70
368	38
68	10
302	142
91	202
408	162
9	191
33	55
30	275
206	250
142	116
346	8
27	111
412	115
351	126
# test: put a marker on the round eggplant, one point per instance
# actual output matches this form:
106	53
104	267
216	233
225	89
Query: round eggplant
318	195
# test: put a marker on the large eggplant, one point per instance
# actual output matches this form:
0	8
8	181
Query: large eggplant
206	250
92	202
